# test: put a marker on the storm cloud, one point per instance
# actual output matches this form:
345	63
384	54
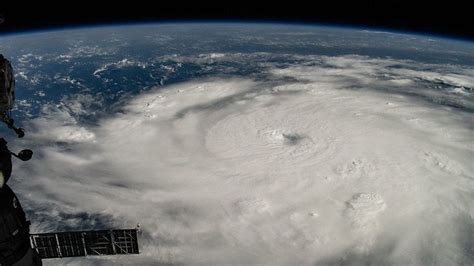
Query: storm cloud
334	161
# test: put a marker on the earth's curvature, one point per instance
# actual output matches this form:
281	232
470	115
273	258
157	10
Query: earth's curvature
248	144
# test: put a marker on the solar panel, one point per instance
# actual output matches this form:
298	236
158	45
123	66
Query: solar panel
85	243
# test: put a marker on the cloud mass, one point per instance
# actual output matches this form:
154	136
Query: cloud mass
339	160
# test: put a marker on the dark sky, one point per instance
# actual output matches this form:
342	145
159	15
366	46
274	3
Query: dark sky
446	18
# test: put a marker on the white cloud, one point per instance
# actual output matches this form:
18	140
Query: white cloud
118	65
235	171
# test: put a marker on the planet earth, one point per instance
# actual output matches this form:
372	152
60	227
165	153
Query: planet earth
249	144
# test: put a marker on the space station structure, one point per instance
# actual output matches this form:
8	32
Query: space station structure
7	95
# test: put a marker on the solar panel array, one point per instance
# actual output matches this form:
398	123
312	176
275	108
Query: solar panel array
85	243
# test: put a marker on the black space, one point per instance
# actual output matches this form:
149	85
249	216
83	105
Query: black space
446	18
